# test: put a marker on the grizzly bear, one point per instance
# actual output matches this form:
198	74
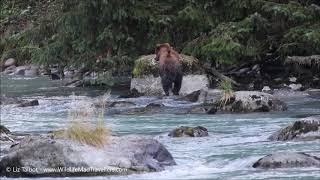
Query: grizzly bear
170	68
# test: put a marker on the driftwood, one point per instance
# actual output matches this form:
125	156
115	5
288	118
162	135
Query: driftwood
313	60
214	72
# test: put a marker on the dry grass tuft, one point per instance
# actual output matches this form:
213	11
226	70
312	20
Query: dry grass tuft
227	92
82	127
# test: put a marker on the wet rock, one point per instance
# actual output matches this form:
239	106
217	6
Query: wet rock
20	70
304	129
155	105
6	140
121	155
10	62
252	101
287	160
185	131
3	129
266	89
193	97
133	93
10	69
31	72
69	74
295	87
211	110
55	77
293	79
29	103
209	96
122	104
198	110
256	67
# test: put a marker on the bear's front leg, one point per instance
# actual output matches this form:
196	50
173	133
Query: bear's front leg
166	85
177	85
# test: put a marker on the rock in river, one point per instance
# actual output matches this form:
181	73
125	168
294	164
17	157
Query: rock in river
121	155
253	101
287	160
185	131
303	129
29	103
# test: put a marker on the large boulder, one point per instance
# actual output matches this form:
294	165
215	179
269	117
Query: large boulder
150	85
31	72
43	156
252	101
287	160
303	129
146	78
185	131
20	70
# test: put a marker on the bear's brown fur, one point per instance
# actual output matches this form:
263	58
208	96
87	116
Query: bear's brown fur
170	68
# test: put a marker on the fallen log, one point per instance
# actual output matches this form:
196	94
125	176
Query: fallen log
214	72
313	60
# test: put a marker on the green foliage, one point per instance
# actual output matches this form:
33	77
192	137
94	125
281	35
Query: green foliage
107	35
143	66
301	40
233	42
259	27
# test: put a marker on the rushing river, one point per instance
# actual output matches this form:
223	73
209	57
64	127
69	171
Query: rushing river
234	143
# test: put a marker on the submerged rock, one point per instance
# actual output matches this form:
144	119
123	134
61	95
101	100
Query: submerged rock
185	131
29	103
252	101
122	104
121	155
304	129
287	160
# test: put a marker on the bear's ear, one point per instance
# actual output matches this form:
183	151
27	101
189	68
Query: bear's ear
167	44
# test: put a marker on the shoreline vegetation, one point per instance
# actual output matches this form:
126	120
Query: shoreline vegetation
276	39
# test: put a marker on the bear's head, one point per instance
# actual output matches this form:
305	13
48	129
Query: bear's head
162	50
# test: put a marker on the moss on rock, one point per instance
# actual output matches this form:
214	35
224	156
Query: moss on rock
146	65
